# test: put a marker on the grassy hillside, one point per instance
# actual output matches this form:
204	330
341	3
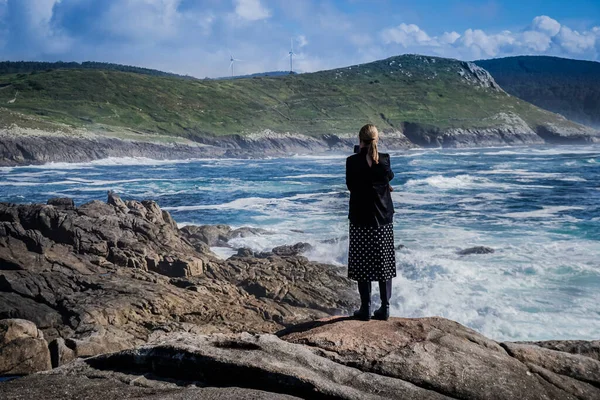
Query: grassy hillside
568	87
26	67
435	92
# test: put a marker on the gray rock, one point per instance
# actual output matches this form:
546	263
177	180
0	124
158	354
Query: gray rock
65	203
476	250
245	252
245	232
294	250
212	235
577	367
581	347
115	201
217	235
23	349
13	329
19	149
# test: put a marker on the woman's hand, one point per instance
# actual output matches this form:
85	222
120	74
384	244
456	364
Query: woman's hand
391	188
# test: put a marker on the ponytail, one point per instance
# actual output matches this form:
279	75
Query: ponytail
369	134
373	151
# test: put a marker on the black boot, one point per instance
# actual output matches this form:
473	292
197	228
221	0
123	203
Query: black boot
364	313
385	293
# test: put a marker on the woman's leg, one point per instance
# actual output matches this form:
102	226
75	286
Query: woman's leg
385	294
364	312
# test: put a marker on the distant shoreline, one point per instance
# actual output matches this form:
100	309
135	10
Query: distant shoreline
32	147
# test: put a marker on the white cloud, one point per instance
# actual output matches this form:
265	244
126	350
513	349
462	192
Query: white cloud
449	37
536	41
483	44
251	10
407	35
36	18
152	20
543	36
546	25
575	42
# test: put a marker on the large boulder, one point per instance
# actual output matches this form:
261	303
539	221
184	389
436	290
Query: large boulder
212	235
451	359
23	349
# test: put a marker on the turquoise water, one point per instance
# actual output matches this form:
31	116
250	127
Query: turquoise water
538	207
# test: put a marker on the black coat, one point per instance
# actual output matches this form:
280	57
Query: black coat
370	198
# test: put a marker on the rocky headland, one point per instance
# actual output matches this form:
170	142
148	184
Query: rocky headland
25	147
121	303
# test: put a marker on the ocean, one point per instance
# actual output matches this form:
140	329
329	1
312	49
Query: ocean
538	207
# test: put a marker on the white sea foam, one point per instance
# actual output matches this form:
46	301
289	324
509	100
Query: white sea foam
456	182
107	162
223	252
266	205
320	156
543	213
554	151
312	176
57	183
574	179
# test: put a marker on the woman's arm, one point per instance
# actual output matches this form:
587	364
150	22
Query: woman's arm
349	175
388	168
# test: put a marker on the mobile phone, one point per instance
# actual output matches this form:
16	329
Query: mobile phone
357	148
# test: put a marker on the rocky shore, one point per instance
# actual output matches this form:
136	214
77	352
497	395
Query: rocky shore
121	303
23	147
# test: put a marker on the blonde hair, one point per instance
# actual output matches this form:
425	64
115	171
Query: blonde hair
369	135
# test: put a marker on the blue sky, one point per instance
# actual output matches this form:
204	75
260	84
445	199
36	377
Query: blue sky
196	37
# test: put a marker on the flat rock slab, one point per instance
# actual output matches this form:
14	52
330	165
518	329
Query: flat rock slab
335	358
258	362
451	359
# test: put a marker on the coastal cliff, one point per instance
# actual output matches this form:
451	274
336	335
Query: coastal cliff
122	303
36	147
414	100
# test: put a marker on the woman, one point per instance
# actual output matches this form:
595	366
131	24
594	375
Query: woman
371	255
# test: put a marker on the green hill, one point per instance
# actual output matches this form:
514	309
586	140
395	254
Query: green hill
436	93
25	67
568	87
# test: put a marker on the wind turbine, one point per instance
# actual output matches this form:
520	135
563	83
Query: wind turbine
231	64
292	54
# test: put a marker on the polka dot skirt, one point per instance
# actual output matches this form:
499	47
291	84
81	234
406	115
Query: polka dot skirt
371	256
